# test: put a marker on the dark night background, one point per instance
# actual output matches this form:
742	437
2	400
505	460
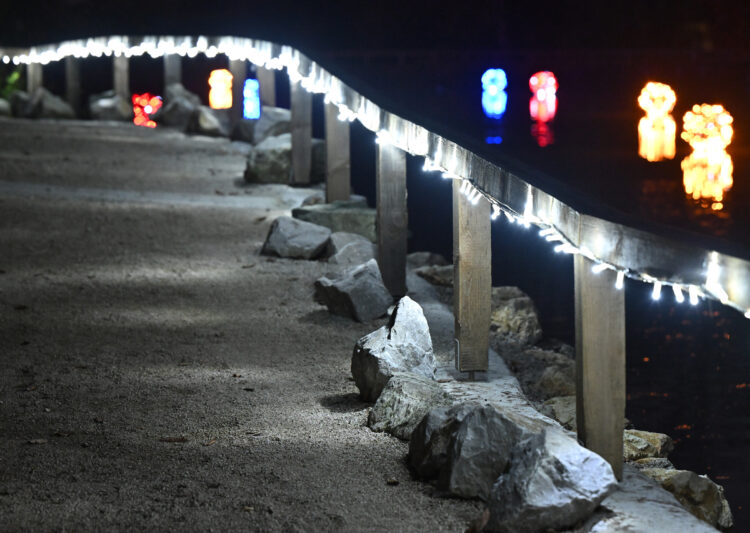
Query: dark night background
671	350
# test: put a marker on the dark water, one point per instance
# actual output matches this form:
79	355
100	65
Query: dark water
688	367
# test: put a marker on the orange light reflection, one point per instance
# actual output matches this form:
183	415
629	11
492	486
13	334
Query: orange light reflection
707	171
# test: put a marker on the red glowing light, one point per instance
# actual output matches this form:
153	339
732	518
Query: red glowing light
145	105
543	84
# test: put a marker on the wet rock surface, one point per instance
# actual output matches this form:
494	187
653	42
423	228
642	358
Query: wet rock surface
358	293
352	217
405	400
288	237
403	345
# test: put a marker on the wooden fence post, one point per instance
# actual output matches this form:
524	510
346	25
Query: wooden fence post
267	82
238	68
600	362
34	78
301	134
121	77
392	217
73	83
472	281
172	69
338	164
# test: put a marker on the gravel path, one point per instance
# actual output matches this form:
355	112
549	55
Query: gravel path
155	371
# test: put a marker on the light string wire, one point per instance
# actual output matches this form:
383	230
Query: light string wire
271	56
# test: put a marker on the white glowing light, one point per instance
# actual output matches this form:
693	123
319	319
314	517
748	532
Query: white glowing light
383	137
464	186
6	59
620	282
656	293
678	296
510	217
599	267
747	313
693	294
547	231
495	212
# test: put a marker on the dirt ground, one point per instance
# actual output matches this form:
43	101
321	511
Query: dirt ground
156	373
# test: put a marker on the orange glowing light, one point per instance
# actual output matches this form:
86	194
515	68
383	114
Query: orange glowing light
144	105
220	95
657	130
707	171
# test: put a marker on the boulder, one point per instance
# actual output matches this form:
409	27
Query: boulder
19	103
110	106
405	400
347	216
44	104
420	259
349	249
641	444
273	121
403	345
553	482
243	130
176	91
271	161
701	496
562	409
543	374
288	237
557	381
514	317
207	121
464	448
4	108
359	293
441	275
179	108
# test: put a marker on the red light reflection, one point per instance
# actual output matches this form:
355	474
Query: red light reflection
543	106
144	105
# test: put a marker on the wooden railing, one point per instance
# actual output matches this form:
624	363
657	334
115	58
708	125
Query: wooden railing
606	252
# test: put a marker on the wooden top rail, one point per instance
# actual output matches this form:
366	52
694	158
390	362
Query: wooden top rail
626	251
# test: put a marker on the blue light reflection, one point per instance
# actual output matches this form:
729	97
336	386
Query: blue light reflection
251	102
494	97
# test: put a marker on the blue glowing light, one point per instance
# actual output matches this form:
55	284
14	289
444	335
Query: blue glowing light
251	102
494	140
494	97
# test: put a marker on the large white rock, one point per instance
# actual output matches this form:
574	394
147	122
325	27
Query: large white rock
288	237
179	107
404	402
4	108
553	482
270	161
465	448
110	106
404	345
346	248
273	121
358	293
19	103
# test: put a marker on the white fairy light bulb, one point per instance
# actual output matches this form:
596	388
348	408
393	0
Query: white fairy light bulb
495	212
620	281
678	296
656	293
599	268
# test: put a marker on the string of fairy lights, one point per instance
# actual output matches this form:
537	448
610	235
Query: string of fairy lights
416	142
